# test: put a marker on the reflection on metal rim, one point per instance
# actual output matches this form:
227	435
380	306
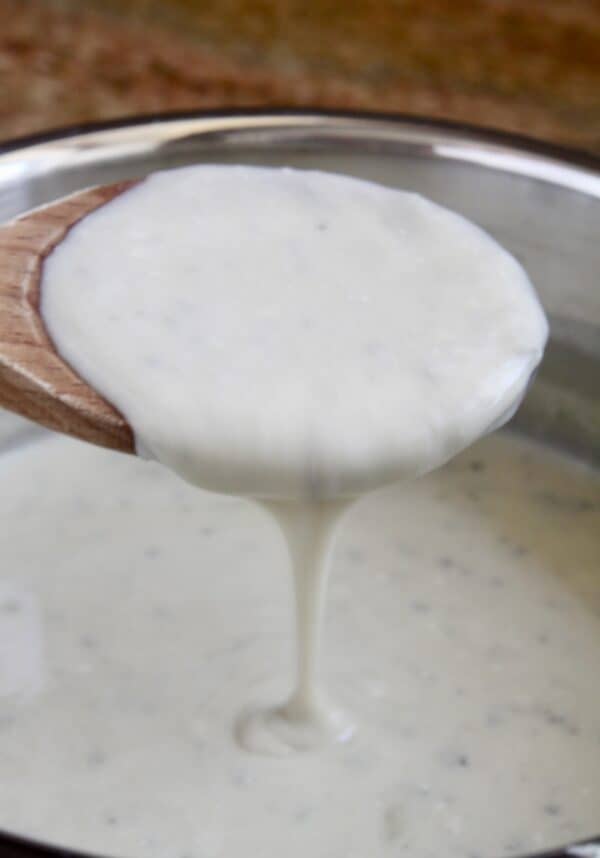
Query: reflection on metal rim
568	168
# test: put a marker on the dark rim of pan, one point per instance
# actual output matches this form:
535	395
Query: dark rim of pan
15	846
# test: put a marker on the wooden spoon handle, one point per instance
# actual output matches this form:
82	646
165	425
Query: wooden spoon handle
34	380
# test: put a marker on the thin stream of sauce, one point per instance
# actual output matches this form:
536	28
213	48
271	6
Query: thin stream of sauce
308	718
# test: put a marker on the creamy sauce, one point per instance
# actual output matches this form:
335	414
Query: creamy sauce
139	616
279	333
308	718
297	337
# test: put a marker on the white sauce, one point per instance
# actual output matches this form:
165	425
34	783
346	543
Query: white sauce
462	632
281	333
300	338
294	335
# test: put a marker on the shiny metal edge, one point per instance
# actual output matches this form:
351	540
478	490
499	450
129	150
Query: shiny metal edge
45	153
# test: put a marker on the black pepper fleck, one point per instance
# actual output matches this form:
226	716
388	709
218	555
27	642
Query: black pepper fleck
96	758
354	556
520	551
152	551
456	760
477	465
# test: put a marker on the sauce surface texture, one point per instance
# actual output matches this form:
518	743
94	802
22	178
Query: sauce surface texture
285	333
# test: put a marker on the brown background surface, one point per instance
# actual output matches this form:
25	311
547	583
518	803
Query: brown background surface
531	66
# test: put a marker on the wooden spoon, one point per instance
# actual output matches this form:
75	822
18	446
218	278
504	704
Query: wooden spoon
34	380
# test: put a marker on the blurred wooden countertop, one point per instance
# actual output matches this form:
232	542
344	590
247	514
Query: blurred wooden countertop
531	66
